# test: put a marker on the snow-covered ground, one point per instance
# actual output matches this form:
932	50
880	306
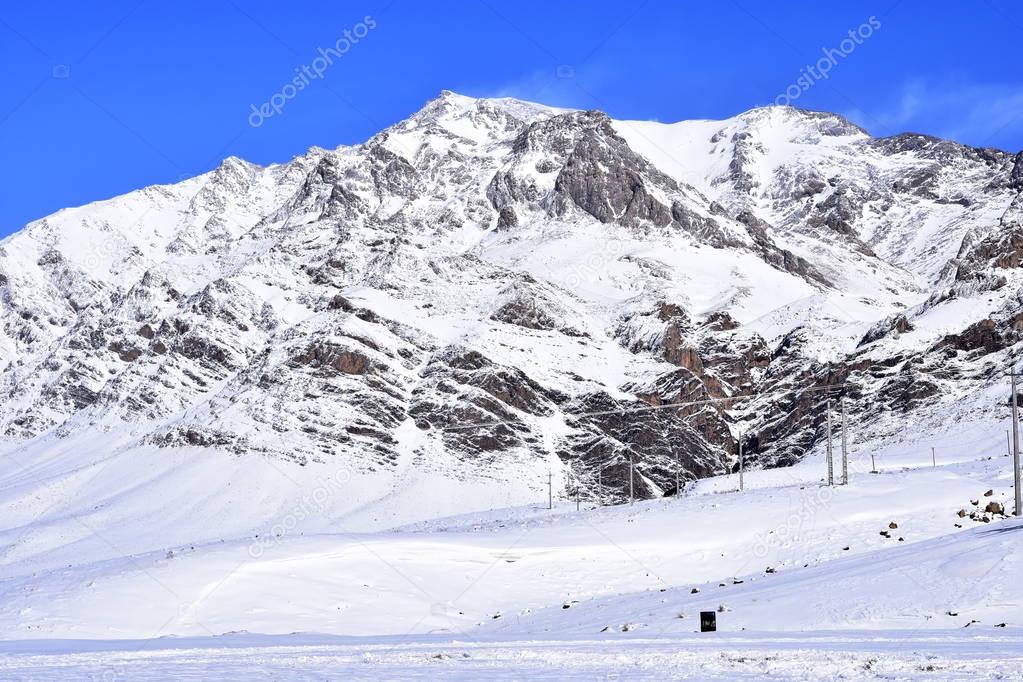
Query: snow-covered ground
892	655
803	578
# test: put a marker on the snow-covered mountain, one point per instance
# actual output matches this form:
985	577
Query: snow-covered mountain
464	302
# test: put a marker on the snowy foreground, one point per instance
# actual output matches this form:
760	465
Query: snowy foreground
850	655
807	581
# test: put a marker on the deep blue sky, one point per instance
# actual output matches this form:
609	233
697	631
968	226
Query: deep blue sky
102	98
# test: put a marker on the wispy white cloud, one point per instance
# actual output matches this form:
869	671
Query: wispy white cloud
557	85
980	114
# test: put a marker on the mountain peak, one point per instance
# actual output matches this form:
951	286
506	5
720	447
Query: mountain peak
449	105
445	104
788	116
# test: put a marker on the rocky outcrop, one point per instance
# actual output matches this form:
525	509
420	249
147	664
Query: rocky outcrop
896	324
602	176
780	258
1000	248
615	439
330	357
527	304
477	405
987	336
1016	176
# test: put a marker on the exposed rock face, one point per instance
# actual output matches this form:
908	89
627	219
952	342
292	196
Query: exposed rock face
610	442
1002	249
745	149
1016	176
988	335
506	218
596	173
527	304
779	258
500	288
605	178
330	357
896	324
477	405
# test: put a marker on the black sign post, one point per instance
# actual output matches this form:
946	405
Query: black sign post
708	621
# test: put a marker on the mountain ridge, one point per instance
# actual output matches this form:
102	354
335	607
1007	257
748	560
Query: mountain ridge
502	262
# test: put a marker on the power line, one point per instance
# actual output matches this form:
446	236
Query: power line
741	463
632	478
625	410
678	474
1018	511
831	460
599	413
640	409
845	449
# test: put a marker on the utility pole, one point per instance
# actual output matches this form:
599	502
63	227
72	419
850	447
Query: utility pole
678	470
632	477
934	460
1015	447
740	463
845	449
873	464
831	461
550	489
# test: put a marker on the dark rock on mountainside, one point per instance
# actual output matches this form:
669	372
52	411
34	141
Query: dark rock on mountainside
896	324
476	403
612	434
330	357
1016	177
780	258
